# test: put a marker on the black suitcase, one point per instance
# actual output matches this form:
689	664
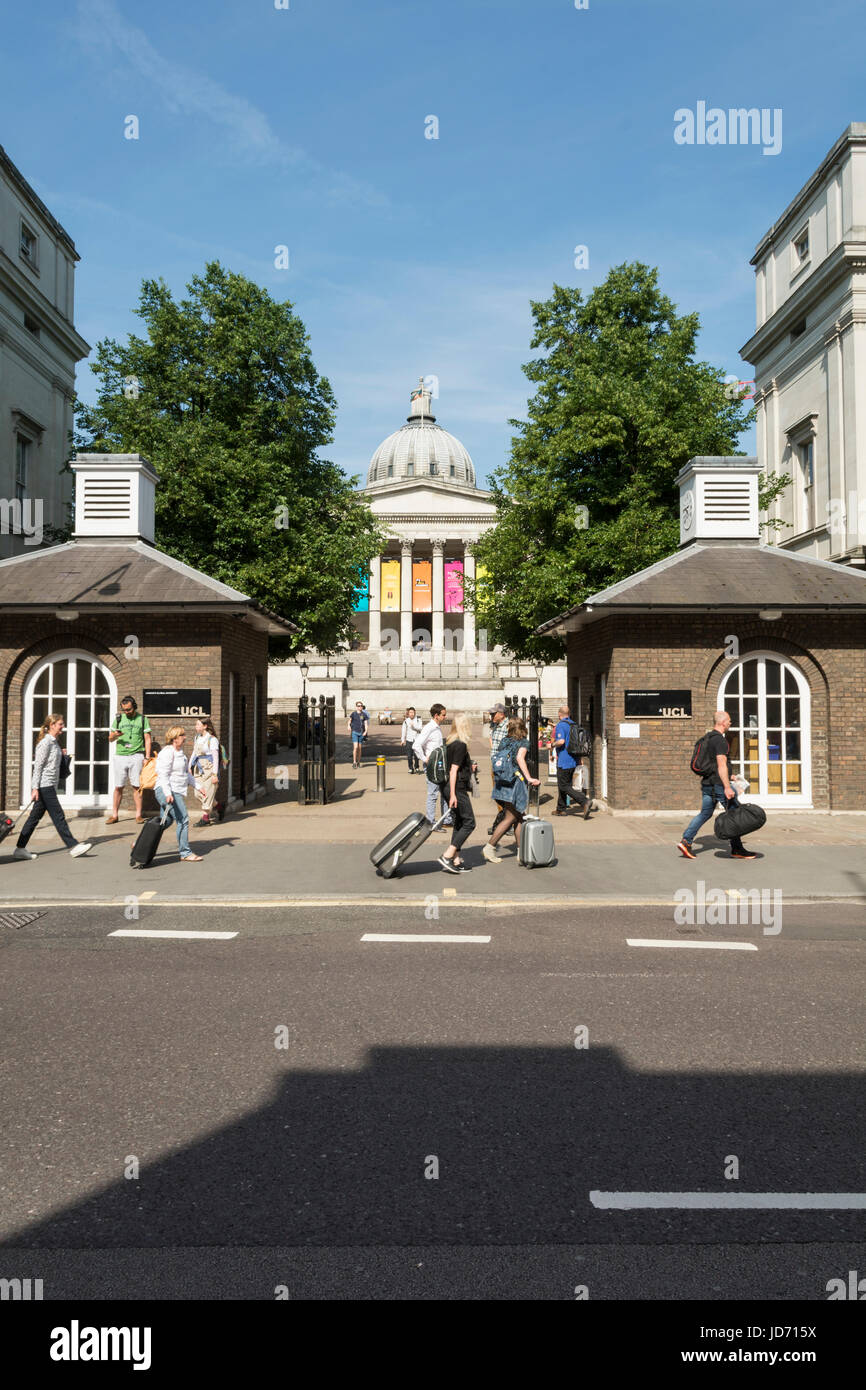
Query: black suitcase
147	843
402	842
739	820
7	824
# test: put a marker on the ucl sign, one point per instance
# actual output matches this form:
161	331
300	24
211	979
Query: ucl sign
658	704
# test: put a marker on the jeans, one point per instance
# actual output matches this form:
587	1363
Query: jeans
47	801
434	790
563	782
710	795
412	759
179	814
463	818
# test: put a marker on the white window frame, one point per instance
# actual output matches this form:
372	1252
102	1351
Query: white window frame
30	259
86	800
801	800
799	260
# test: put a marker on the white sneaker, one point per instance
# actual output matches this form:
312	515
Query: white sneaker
23	854
80	849
490	854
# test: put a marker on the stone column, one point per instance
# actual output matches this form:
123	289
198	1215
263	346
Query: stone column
375	611
468	618
405	600
438	598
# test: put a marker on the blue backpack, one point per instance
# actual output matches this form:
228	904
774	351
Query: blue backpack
504	768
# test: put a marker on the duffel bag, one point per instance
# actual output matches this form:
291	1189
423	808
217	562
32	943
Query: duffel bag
739	820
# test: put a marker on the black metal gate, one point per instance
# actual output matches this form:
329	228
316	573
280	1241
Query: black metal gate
529	711
316	750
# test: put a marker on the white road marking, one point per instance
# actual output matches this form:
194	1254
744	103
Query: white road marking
423	936
151	893
694	945
715	1201
177	935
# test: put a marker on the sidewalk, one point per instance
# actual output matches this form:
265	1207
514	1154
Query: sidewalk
277	850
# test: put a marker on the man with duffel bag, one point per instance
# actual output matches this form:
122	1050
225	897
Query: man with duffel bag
712	763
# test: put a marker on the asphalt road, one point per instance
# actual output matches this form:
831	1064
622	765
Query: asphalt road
156	1142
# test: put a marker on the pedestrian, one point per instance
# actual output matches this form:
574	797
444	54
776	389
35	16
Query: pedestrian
511	787
204	764
173	780
359	721
47	775
458	761
715	787
429	738
498	731
130	733
566	763
412	726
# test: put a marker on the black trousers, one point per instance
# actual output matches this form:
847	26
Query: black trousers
47	801
563	783
412	758
464	818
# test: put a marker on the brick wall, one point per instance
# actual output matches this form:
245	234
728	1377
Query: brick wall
182	650
668	652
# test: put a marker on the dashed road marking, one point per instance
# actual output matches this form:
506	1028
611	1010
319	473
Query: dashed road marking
694	945
177	935
425	936
719	1201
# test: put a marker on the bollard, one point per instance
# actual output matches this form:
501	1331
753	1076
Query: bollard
380	773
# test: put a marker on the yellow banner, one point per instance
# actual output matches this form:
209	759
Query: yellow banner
390	586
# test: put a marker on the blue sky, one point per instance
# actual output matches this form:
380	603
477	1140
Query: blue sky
306	127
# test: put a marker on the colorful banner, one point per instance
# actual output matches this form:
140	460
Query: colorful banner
453	586
390	586
422	586
362	596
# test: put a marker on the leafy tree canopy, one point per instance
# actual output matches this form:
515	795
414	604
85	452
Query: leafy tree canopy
620	406
223	397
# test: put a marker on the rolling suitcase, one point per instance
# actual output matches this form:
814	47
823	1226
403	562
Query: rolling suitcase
7	824
536	843
147	843
402	842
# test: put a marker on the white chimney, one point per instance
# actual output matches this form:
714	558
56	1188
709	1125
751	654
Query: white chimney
114	496
719	500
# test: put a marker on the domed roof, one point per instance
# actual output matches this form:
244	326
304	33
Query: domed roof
421	449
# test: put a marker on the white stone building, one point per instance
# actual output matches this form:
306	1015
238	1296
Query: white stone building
417	641
39	348
809	357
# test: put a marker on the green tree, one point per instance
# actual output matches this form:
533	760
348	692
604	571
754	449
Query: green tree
588	495
223	397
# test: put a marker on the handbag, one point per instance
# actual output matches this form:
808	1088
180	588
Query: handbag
739	820
65	766
147	778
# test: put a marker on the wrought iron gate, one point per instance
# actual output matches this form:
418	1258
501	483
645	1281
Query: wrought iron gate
528	711
316	750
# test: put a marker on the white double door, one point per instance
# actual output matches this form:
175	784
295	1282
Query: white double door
78	686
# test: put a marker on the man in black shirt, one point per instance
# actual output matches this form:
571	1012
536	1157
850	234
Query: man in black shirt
715	787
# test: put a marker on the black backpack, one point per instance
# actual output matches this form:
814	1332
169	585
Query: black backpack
703	763
578	744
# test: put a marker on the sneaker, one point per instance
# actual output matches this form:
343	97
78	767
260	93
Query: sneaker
490	855
743	856
448	865
80	849
204	821
23	854
587	810
685	850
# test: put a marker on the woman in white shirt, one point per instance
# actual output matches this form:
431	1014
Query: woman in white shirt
205	766
172	783
412	726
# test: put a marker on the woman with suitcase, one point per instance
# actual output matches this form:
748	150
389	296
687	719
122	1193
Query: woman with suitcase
460	766
512	780
173	778
47	770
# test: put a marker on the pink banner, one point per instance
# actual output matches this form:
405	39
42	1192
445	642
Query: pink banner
453	586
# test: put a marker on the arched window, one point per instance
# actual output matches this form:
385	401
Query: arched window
83	690
768	700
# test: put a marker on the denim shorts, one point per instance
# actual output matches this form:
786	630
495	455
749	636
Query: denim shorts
357	738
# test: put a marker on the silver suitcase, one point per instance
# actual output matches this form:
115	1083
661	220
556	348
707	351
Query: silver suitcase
536	843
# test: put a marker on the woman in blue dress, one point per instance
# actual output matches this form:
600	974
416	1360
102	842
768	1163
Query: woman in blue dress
512	780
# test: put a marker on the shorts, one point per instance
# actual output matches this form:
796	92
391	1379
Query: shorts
357	738
128	765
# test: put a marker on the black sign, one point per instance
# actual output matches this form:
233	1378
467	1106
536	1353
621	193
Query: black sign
177	702
658	704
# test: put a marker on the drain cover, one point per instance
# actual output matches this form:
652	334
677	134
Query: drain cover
18	919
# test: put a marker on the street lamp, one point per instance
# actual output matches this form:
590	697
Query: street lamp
539	667
304	669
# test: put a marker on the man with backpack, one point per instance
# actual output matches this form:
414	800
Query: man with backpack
571	743
711	762
429	739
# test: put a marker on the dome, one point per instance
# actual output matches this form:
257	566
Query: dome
421	449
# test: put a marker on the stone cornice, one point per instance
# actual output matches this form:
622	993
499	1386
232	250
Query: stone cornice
841	262
854	134
35	302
